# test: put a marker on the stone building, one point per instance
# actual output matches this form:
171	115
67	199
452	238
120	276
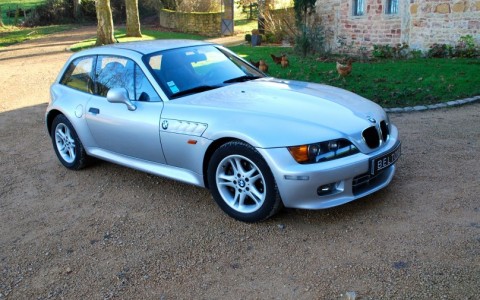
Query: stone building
352	25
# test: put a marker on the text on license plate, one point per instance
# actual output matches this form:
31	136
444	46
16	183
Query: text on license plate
380	163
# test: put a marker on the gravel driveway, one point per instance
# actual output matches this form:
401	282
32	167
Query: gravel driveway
108	231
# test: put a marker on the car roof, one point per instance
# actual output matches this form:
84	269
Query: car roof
147	47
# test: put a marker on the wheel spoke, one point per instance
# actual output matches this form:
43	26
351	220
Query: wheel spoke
256	195
71	152
236	199
225	177
61	146
60	135
238	166
241	200
249	174
256	177
226	184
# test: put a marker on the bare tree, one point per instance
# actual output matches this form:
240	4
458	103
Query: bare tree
104	22
133	21
76	8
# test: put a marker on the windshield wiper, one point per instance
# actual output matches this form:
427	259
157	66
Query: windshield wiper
242	78
198	89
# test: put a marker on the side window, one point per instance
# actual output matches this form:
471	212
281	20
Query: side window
144	90
358	7
391	7
79	74
114	72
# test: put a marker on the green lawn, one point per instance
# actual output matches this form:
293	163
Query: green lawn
243	26
146	33
390	83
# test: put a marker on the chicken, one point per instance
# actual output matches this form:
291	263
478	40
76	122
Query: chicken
256	64
276	59
263	66
344	69
284	61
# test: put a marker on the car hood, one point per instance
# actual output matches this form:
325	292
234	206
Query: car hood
278	112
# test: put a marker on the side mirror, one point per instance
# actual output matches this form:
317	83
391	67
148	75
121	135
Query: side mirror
120	95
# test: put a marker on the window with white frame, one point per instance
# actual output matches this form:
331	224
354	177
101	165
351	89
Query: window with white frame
391	7
358	7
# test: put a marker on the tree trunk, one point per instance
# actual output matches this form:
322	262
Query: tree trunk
1	21
133	21
104	22
77	8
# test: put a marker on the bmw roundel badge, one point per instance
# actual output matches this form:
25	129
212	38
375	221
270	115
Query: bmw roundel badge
165	124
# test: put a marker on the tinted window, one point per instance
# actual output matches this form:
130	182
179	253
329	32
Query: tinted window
358	7
391	7
79	75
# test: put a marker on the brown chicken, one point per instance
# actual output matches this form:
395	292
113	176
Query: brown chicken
263	66
344	69
284	61
276	59
256	64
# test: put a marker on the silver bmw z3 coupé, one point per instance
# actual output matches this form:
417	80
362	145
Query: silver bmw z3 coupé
196	112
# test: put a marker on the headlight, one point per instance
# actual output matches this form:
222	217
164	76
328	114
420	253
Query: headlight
324	151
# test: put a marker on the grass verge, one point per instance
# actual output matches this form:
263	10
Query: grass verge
390	83
147	35
11	35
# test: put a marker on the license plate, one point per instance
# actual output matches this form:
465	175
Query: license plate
380	163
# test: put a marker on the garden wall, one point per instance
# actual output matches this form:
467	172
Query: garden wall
207	24
418	23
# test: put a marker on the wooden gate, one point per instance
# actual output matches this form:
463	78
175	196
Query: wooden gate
227	18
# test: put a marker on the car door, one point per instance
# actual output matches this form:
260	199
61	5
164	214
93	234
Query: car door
115	128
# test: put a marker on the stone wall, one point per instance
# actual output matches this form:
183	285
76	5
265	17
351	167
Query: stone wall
419	23
443	22
207	24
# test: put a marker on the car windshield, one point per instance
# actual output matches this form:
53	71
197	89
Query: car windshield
191	70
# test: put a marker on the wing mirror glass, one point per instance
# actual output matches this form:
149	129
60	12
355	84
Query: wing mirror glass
120	95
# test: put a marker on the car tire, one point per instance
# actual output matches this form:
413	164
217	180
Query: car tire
68	147
242	184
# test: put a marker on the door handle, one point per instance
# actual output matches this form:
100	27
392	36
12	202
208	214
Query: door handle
94	110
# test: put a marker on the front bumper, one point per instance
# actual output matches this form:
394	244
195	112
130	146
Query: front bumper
332	183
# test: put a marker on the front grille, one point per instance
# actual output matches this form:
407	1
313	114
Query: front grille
384	129
370	135
373	135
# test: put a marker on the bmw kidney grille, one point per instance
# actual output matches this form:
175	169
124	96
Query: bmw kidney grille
374	136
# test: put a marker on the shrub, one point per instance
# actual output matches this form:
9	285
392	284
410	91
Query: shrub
440	50
51	12
280	25
466	47
382	51
310	40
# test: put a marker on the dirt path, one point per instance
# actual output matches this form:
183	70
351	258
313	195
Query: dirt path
109	231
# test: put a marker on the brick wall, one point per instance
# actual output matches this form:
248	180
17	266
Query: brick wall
207	24
419	23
